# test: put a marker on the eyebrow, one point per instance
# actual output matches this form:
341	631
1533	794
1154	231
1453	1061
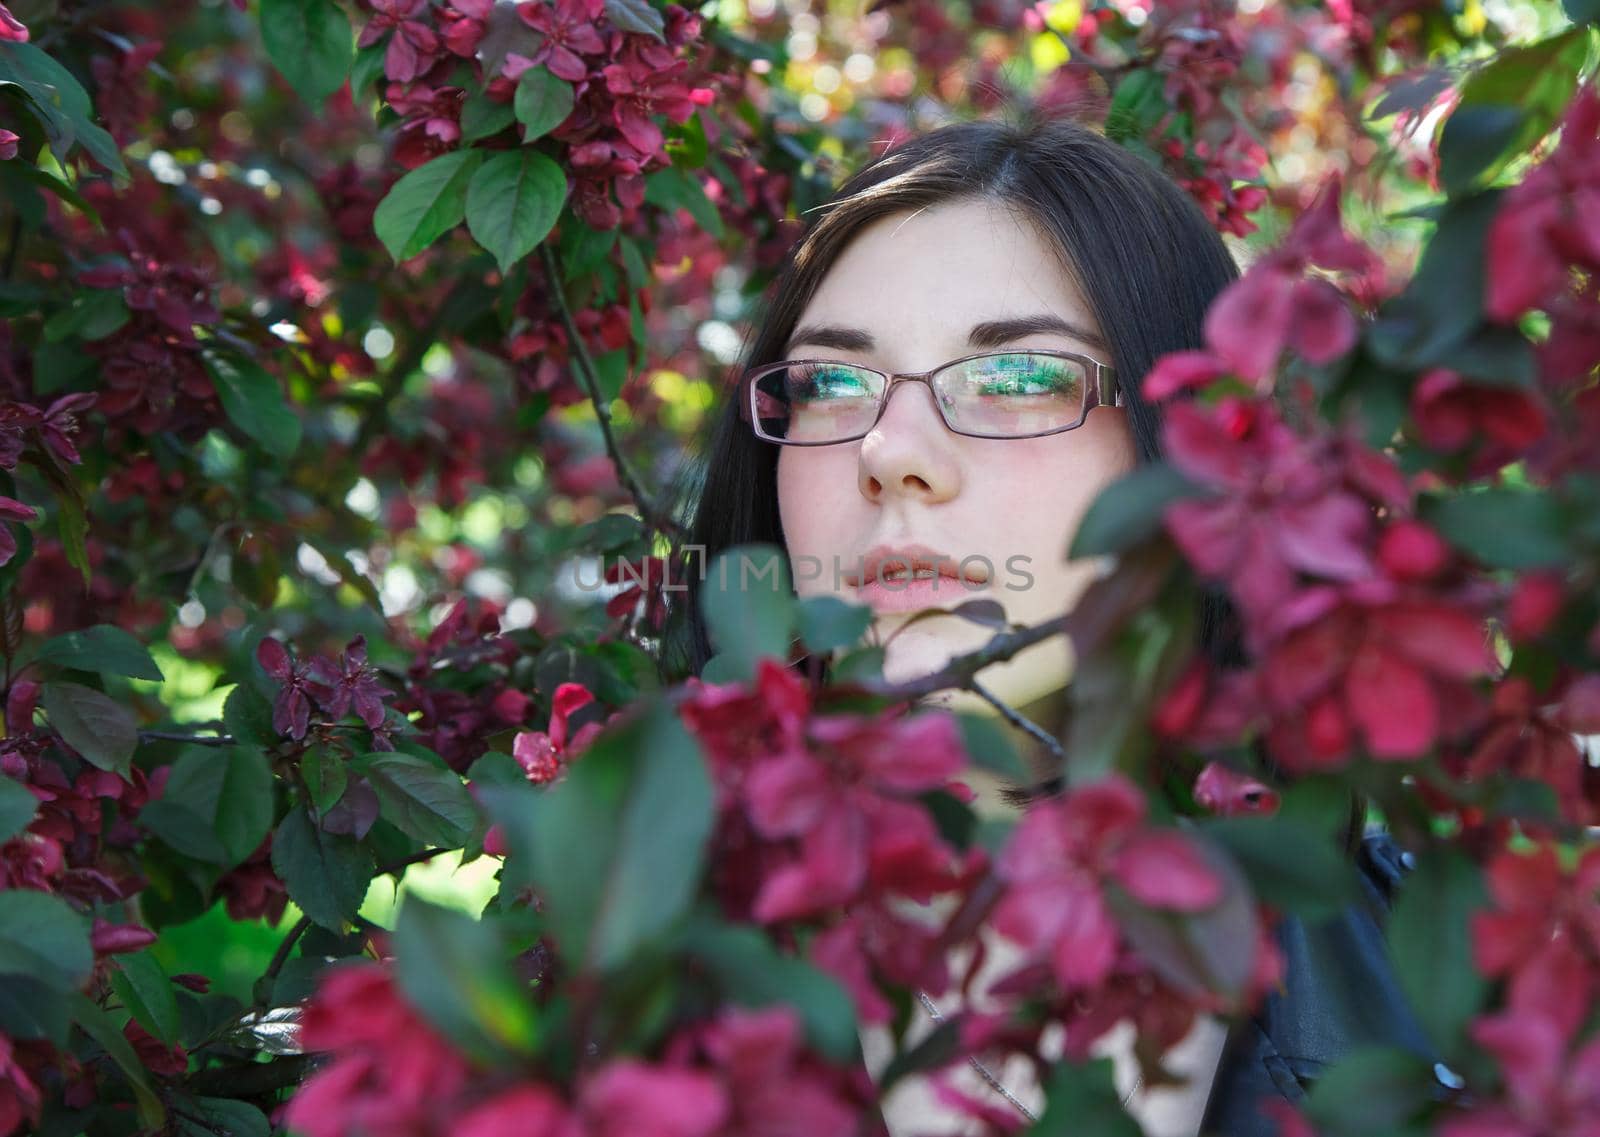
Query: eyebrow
988	334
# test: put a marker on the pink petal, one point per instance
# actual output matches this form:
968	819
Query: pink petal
1393	703
1086	946
788	794
1248	324
1323	328
1325	537
1445	640
1163	869
1182	371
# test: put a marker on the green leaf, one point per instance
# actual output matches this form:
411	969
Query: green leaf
1129	511
94	314
94	724
425	204
254	402
217	806
429	802
43	937
229	1117
513	202
99	1026
18	807
1373	1090
611	369
990	747
481	116
615	850
1506	106
453	969
542	102
673	188
752	972
325	777
1081	1100
68	110
146	992
749	605
1582	11
327	875
636	16
1430	941
1503	528
366	70
103	648
827	622
247	715
1290	867
30	1008
1442	306
310	42
1136	106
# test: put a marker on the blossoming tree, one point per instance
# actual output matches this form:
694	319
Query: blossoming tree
340	338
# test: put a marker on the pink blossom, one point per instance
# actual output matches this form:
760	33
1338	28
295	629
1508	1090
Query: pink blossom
1277	305
8	139
1286	505
1500	423
1228	793
413	42
568	32
1063	853
628	1097
12	30
521	1111
1370	662
543	755
390	1073
1547	223
20	1097
1550	1092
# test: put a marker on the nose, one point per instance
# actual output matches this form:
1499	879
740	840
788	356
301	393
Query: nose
910	453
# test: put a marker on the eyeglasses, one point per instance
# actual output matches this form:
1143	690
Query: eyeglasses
1005	394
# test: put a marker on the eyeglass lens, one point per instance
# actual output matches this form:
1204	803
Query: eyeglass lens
1000	396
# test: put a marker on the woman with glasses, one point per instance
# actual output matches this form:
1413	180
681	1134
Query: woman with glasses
945	375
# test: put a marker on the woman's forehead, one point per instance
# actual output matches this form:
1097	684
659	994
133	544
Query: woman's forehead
930	275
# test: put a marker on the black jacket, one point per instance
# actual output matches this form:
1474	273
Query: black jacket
1339	993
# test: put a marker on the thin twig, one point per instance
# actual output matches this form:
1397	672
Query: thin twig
1017	719
180	736
281	956
589	377
959	671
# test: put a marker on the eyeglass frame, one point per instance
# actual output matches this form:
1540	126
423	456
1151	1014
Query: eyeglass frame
1098	375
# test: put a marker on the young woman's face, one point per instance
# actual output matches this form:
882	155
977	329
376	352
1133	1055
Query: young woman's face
909	291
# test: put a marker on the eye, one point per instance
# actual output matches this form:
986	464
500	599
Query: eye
822	382
1025	375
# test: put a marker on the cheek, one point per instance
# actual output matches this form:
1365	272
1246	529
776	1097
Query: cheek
1050	484
815	488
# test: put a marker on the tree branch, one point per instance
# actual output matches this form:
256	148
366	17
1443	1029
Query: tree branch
1032	729
588	376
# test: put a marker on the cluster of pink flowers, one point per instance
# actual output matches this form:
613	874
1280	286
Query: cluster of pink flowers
818	814
1543	938
79	847
455	724
52	433
333	687
153	378
622	81
744	1071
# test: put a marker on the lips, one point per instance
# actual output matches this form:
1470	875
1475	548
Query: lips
901	564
